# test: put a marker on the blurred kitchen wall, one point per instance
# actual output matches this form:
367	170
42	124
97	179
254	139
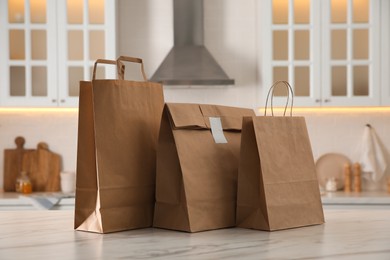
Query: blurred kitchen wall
232	36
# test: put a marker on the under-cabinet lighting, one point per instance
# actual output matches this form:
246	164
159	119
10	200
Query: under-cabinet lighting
280	110
36	109
277	110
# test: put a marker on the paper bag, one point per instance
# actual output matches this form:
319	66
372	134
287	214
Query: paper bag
197	164
116	155
277	183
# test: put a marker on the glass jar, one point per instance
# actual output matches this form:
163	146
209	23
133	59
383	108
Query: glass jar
331	184
23	183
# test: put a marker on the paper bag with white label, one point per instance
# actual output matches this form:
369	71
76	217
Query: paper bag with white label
197	164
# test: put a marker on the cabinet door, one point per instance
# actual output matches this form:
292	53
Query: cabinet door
28	65
291	49
86	32
48	47
385	53
328	50
351	49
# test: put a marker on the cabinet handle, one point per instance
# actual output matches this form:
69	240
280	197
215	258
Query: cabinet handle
62	100
327	100
54	100
318	100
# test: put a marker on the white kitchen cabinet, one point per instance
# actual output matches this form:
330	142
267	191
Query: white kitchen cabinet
47	47
329	50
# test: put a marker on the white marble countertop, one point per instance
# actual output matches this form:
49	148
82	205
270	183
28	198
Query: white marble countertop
58	200
347	234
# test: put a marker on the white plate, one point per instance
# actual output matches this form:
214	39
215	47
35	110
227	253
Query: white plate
331	165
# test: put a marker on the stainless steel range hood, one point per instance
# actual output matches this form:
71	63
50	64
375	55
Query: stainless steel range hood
189	62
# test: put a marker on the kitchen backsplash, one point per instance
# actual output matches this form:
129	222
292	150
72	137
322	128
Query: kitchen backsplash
57	128
339	132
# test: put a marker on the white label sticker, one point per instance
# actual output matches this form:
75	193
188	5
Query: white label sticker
217	131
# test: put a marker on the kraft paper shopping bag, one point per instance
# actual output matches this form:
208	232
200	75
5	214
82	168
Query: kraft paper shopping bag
116	156
277	183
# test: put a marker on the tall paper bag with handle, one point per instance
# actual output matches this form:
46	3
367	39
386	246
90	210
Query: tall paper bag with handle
117	137
277	183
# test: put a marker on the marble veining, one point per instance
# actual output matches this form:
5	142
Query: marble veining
347	234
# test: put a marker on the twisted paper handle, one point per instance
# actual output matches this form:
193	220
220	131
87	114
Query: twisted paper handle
271	91
134	60
120	67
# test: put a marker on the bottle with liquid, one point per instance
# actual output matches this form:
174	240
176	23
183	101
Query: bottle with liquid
23	183
347	178
388	184
357	184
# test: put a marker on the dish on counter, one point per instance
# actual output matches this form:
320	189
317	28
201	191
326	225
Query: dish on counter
331	165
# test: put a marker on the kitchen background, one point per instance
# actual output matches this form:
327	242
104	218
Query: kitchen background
233	34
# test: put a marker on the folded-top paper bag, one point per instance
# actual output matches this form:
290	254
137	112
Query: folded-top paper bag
197	164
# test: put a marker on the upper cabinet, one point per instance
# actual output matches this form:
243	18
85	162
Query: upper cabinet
385	53
329	50
47	47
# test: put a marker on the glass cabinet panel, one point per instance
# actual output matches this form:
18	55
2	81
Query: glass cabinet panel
38	11
339	44
360	80
339	11
302	81
339	81
361	10
280	43
280	73
38	45
302	11
360	44
96	45
39	81
16	11
100	72
75	45
75	9
280	11
16	45
302	45
96	11
75	74
17	81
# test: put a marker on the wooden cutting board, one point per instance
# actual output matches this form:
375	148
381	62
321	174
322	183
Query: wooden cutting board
43	167
13	159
